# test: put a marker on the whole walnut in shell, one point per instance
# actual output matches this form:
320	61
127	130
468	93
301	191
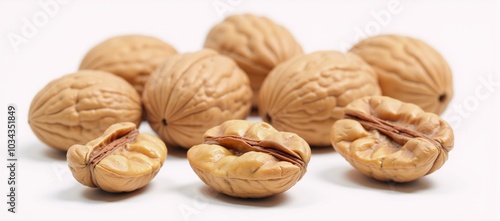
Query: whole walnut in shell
78	107
132	57
391	140
256	43
409	70
307	94
250	160
190	93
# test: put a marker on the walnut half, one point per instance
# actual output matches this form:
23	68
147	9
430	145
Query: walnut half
121	160
250	160
387	139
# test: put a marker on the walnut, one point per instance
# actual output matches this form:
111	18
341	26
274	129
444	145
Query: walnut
190	93
132	57
78	107
120	160
391	140
250	160
307	94
256	43
409	70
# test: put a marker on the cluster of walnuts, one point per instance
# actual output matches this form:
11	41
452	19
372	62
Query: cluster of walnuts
387	89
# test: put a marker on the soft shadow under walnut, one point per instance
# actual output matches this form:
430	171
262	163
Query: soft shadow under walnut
270	201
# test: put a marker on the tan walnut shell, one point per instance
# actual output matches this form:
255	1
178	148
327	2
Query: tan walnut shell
391	140
192	92
132	57
307	94
409	70
256	43
78	107
249	160
120	160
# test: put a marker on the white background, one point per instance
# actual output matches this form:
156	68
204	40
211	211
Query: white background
465	188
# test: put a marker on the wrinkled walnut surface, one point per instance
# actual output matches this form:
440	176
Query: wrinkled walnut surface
307	94
387	139
192	92
78	107
409	70
120	160
132	57
256	43
250	160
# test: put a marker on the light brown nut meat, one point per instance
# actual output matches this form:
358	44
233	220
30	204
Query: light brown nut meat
78	107
120	160
409	70
192	92
256	43
132	57
307	94
249	160
390	140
